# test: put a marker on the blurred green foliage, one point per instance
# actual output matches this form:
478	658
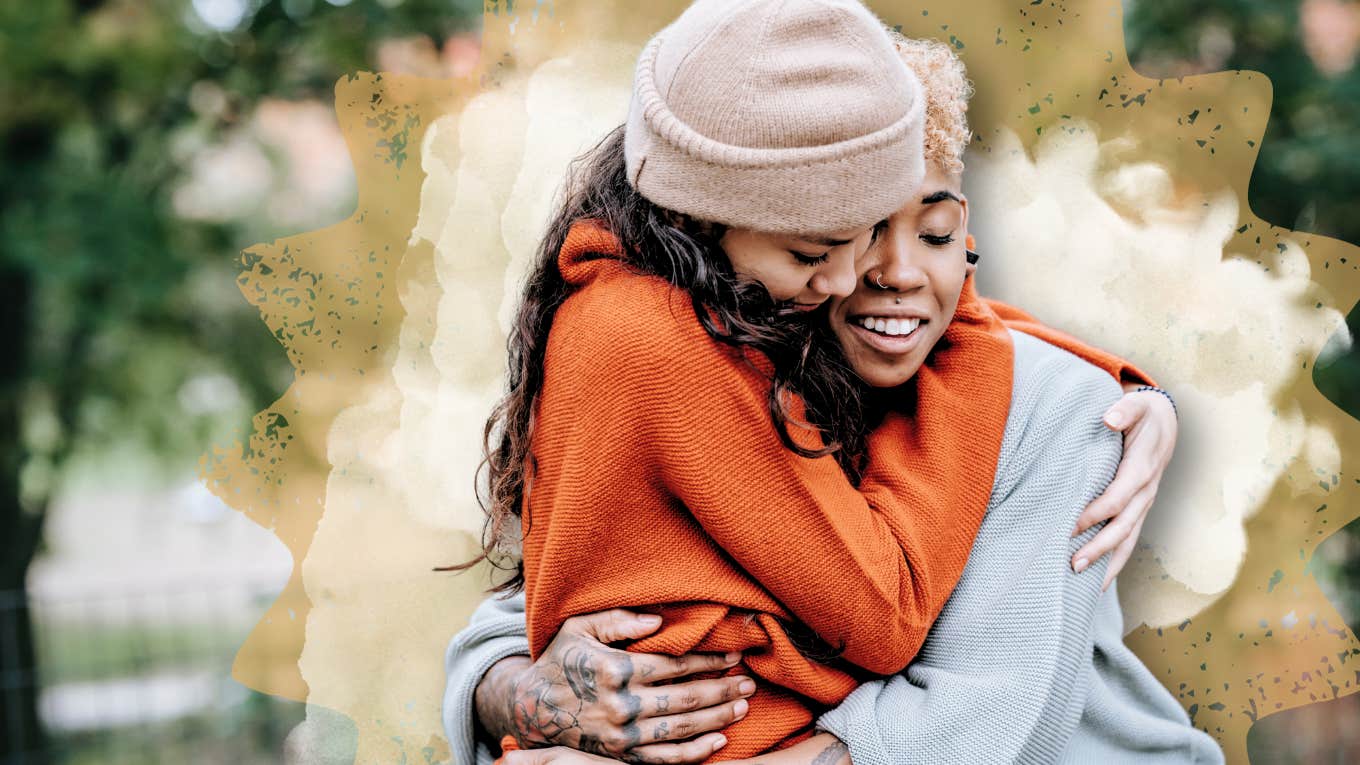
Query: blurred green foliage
96	95
1308	174
111	303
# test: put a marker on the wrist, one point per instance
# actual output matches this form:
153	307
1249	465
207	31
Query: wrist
495	700
1163	392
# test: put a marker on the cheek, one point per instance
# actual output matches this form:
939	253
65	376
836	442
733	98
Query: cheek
783	278
948	284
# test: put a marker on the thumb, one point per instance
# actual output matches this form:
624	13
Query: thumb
1126	412
614	625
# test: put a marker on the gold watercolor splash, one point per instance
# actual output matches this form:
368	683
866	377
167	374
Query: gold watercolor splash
1109	204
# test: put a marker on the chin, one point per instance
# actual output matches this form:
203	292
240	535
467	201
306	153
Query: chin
879	373
886	378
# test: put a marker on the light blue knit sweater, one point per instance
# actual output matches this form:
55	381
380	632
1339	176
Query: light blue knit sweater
1026	662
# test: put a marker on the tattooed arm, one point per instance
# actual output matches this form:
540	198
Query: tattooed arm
822	749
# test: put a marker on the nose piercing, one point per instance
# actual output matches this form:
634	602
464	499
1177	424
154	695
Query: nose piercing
878	279
898	301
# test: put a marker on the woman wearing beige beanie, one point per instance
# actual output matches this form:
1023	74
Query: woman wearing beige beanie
673	385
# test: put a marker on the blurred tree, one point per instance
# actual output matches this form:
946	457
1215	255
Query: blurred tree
106	316
1307	176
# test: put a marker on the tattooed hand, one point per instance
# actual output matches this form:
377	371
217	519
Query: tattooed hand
587	696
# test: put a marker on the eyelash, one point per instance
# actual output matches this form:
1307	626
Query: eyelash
937	241
811	260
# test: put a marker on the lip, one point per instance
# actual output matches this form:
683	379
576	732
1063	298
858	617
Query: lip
805	306
896	345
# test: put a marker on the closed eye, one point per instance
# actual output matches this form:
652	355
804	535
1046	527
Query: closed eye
810	260
936	240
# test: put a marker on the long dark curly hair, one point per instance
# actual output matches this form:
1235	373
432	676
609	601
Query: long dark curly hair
806	358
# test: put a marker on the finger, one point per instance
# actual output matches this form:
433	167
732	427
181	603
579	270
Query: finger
694	695
652	667
613	625
697	750
529	756
1126	412
1115	532
1131	478
1122	553
683	726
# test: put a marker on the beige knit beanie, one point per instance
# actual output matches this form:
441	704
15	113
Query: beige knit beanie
786	116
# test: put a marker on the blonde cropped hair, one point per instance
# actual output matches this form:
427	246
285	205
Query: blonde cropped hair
947	90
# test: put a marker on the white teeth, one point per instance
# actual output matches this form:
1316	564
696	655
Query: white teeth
892	327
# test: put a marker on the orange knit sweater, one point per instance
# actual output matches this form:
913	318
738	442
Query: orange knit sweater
662	485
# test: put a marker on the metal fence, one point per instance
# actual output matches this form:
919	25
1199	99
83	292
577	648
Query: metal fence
137	677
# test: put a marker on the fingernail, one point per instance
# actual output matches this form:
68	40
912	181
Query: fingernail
740	707
1076	531
1082	563
1114	420
719	742
649	619
746	686
732	658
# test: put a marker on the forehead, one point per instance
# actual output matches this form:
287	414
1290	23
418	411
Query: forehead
937	191
828	239
937	179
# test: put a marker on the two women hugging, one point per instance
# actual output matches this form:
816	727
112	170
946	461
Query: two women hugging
771	479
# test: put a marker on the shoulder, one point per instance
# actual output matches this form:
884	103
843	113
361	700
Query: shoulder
1050	381
1058	402
631	326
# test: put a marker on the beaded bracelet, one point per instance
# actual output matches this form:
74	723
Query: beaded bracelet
1162	391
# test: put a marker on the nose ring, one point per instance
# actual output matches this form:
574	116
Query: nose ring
878	279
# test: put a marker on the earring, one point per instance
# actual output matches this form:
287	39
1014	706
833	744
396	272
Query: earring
968	247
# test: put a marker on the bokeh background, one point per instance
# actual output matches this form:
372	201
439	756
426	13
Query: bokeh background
145	143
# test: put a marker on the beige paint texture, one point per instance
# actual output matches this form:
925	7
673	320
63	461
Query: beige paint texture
1109	204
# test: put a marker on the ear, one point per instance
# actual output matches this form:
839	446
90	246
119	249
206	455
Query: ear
969	243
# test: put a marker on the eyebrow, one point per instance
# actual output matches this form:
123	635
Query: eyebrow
940	196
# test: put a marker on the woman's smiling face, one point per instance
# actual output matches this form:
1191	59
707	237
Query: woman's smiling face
909	285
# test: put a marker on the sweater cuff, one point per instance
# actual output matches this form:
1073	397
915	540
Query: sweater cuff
1130	374
471	654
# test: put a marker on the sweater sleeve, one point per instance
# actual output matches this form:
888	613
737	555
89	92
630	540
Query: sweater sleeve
868	570
1019	320
1003	676
495	631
